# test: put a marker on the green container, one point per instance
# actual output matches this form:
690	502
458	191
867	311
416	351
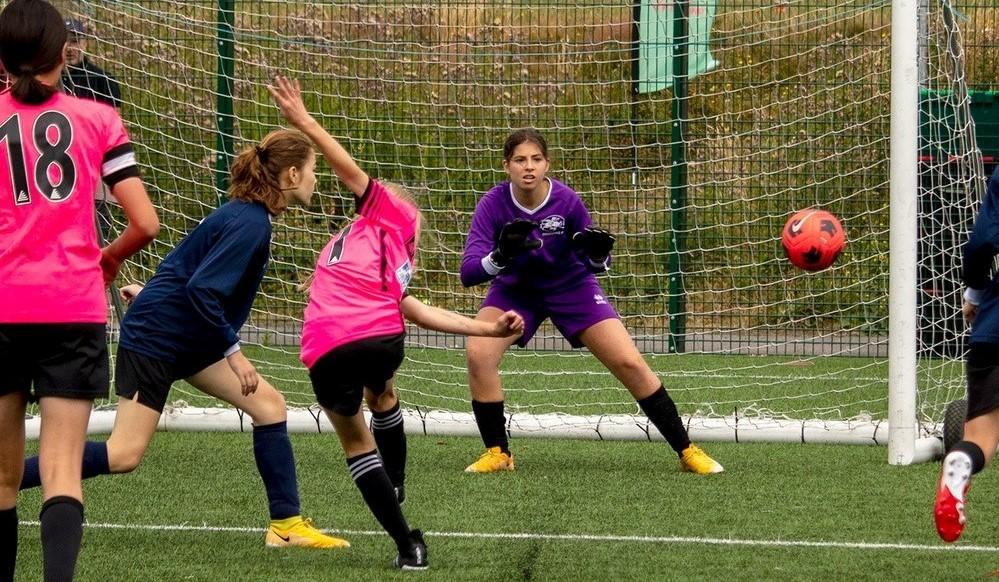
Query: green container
942	127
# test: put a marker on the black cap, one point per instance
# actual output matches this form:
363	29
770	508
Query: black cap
74	26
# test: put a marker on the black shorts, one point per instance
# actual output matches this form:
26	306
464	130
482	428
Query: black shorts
152	378
983	379
68	360
341	375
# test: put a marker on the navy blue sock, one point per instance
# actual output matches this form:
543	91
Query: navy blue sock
62	533
95	462
276	465
661	410
390	436
369	475
8	543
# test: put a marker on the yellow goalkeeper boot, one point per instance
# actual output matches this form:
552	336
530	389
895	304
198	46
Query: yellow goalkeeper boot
494	459
695	460
301	533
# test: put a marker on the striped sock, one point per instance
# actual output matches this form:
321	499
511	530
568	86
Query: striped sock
369	475
390	436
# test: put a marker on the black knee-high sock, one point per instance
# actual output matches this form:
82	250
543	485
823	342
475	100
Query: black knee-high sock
492	424
276	465
369	475
661	410
62	533
390	437
95	462
974	453
8	543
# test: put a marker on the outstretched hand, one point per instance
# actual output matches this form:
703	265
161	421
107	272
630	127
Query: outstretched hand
509	324
287	96
596	243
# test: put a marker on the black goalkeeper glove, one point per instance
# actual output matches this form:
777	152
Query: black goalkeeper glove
596	243
514	240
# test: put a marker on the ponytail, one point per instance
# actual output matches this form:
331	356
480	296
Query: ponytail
28	89
256	172
32	37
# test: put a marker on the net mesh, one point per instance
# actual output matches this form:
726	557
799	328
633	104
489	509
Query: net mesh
793	114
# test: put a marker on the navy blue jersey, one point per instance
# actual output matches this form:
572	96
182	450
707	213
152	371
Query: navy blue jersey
556	265
979	253
202	292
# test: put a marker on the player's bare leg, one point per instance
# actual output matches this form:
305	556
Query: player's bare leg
60	450
483	357
967	457
12	406
133	430
273	455
369	476
611	343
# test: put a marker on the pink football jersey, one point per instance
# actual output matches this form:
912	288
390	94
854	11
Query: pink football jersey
54	154
361	276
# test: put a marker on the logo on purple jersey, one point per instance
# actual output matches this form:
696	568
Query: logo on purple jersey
599	299
553	224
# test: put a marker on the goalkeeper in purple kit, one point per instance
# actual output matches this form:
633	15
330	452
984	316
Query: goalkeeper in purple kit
532	237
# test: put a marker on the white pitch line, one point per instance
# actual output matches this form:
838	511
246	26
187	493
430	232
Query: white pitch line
575	538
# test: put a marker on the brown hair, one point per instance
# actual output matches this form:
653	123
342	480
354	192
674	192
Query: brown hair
528	134
32	37
256	172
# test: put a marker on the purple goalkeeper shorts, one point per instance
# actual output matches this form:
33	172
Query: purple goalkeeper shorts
572	310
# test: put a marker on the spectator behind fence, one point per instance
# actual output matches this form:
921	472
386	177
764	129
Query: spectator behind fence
82	77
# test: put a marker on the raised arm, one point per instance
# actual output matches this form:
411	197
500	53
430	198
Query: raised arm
428	317
287	95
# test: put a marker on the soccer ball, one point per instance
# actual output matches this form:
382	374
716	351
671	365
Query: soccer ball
812	239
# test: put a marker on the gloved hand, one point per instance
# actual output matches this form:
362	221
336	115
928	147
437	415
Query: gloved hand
514	239
596	243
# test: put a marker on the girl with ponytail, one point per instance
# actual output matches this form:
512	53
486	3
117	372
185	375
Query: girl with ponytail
53	272
184	324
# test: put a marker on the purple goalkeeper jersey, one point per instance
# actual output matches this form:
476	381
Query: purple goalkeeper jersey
554	266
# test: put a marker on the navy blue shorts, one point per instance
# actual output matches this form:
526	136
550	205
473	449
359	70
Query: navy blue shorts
340	376
982	371
68	360
573	311
152	378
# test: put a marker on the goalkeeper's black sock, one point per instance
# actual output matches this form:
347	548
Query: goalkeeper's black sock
8	543
974	453
661	410
390	436
492	424
62	533
369	475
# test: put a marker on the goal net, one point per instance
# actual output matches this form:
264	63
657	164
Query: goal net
793	112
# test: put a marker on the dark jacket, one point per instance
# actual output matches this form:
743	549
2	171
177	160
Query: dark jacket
88	81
